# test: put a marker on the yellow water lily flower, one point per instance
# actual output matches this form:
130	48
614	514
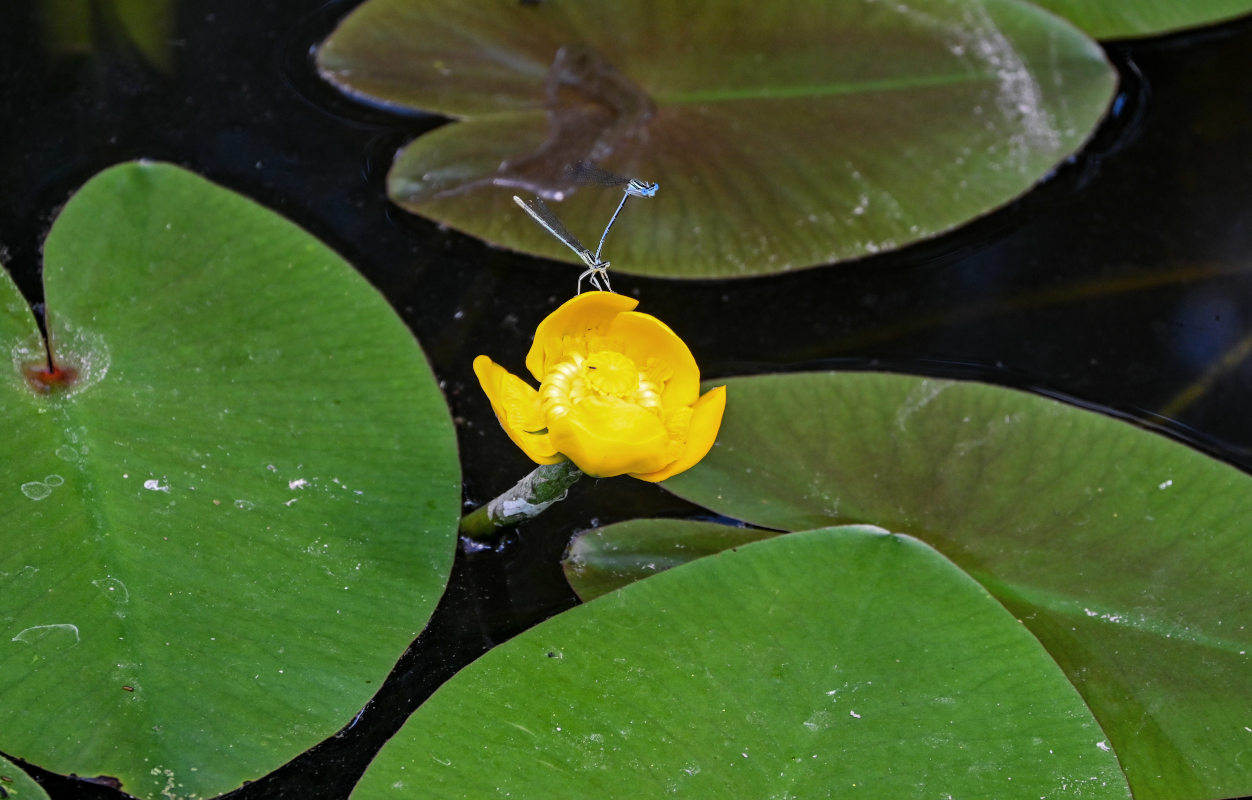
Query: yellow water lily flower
619	393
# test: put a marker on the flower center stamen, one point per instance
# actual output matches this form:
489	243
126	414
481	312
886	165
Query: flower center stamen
611	373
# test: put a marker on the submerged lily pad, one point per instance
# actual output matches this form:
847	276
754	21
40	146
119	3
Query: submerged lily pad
1125	553
17	784
783	134
229	506
1127	18
603	559
813	665
72	26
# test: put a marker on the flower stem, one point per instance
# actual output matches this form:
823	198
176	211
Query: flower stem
528	498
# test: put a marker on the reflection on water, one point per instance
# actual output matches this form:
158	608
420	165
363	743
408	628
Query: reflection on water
1123	283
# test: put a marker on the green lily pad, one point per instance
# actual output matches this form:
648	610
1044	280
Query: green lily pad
783	135
17	784
810	665
231	507
1125	553
1130	18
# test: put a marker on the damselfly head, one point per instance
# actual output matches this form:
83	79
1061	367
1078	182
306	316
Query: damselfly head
640	188
591	173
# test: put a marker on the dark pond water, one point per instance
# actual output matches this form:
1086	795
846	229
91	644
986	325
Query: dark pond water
1122	283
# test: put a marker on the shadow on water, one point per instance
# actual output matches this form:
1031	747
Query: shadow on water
1116	285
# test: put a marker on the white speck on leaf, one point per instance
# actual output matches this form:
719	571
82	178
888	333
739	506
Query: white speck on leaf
918	399
113	589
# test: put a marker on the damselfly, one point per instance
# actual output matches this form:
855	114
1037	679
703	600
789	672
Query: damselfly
596	268
589	172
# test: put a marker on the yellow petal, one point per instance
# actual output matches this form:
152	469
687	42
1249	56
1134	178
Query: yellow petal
517	407
587	313
607	436
644	338
706	420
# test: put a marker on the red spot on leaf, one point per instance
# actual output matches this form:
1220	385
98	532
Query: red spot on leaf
49	378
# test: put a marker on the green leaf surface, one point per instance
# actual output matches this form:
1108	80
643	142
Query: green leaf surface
17	784
819	664
603	559
1126	553
783	135
1130	18
220	534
